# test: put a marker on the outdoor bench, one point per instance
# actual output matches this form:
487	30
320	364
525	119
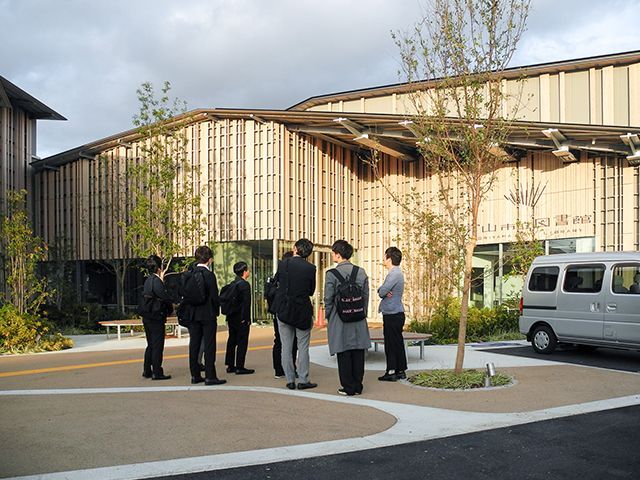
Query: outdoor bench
133	322
410	338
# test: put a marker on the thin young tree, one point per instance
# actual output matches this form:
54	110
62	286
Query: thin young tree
166	217
461	120
527	245
109	230
23	251
433	264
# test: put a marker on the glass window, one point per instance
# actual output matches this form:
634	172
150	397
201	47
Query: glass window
544	279
583	278
626	279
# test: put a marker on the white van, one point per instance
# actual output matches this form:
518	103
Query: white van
590	299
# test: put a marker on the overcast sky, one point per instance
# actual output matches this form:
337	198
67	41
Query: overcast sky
85	59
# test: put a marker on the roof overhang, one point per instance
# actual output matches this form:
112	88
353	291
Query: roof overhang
615	59
390	134
12	96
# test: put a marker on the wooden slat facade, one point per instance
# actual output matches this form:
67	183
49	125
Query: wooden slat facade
270	180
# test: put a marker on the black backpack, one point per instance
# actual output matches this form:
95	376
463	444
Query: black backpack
270	291
150	306
230	298
192	288
350	302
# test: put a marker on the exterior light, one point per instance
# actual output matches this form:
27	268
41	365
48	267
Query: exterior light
491	372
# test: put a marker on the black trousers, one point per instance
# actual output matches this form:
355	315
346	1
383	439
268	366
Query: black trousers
237	343
393	343
277	350
199	332
351	370
154	331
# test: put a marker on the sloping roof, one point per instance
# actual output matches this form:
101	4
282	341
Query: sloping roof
390	133
514	72
12	96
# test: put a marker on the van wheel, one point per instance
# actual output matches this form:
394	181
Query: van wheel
543	339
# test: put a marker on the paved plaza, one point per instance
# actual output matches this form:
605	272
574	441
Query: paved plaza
88	413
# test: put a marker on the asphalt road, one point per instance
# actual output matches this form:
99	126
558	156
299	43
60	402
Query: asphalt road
610	358
602	445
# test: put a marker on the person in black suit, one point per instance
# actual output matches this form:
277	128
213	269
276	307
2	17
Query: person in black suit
155	289
277	342
239	323
203	322
297	282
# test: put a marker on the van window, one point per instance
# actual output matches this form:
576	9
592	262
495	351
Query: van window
626	279
583	278
544	279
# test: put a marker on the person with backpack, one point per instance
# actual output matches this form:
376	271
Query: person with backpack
270	292
346	298
236	305
393	317
200	308
154	307
297	283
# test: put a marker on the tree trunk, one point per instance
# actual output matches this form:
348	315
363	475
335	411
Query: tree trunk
464	307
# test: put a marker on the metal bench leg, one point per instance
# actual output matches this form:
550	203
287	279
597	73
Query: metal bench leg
107	332
421	349
406	349
118	327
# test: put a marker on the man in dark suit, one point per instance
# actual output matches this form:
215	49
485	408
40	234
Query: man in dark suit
276	352
155	292
239	323
297	282
203	322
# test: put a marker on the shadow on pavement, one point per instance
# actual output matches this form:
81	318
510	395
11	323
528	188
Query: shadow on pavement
610	358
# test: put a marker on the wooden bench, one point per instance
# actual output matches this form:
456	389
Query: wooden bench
410	338
133	322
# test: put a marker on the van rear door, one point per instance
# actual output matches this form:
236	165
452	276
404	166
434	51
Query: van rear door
622	309
580	313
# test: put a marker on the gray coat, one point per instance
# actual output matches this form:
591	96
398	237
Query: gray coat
345	336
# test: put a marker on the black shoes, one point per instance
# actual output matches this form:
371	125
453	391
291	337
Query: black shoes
161	376
393	377
231	369
244	371
342	391
291	386
305	386
207	381
214	381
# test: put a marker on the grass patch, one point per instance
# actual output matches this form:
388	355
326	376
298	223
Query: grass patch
447	379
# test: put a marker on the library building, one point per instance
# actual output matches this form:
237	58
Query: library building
269	177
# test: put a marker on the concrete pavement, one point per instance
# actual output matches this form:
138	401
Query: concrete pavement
92	414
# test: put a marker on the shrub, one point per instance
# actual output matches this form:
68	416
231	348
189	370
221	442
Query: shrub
27	333
482	323
448	379
78	318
